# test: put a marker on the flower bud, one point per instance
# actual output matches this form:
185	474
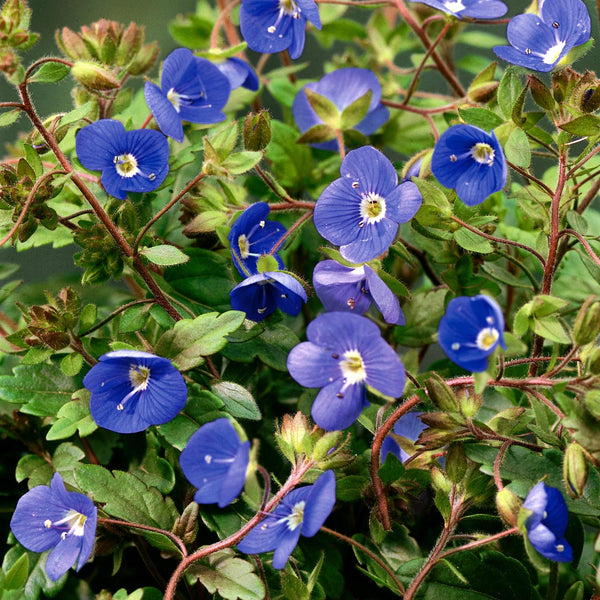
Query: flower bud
563	82
575	470
508	506
456	462
186	526
94	77
591	360
469	402
586	95
293	436
257	131
440	481
483	92
441	394
145	59
129	44
587	322
72	44
541	94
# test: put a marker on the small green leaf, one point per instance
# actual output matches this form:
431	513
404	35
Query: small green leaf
508	92
551	329
472	242
73	416
326	110
585	126
517	149
50	72
71	364
75	115
9	117
16	576
241	162
165	255
317	134
238	401
480	117
354	113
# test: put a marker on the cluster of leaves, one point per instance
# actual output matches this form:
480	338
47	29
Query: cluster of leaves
489	437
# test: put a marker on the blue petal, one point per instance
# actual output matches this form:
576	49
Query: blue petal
573	18
310	11
341	288
239	73
97	144
63	556
236	476
371	169
265	536
384	299
319	504
287	542
403	203
256	16
165	396
390	446
340	331
165	115
333	412
372	240
409	426
179	73
385	372
557	513
374	120
312	366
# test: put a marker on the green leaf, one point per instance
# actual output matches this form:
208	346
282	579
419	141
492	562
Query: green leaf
433	196
191	340
238	401
81	112
423	315
325	109
354	113
316	134
228	575
9	117
16	576
126	497
71	364
241	162
291	162
134	318
480	117
551	329
224	140
472	242
165	255
42	389
50	72
517	149
508	92
585	126
155	471
73	416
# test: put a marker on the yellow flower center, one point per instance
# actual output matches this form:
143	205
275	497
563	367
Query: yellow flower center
126	165
487	338
483	153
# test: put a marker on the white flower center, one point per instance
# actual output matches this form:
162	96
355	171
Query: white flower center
139	377
487	338
352	367
553	53
454	6
244	246
372	208
126	165
286	7
74	522
483	153
295	518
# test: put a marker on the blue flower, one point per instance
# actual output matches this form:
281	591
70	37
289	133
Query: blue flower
541	41
361	210
342	87
270	26
344	354
352	289
547	523
130	161
252	236
191	89
476	9
239	73
471	330
259	295
52	518
132	390
471	161
302	511
215	461
408	426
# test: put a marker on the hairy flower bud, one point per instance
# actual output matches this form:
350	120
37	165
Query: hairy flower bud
257	131
72	44
441	394
94	77
541	94
508	506
144	60
575	470
587	322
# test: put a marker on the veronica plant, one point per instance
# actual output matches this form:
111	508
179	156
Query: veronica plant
475	9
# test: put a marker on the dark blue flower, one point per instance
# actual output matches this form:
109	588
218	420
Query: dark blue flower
270	26
547	523
342	87
52	518
361	210
471	161
252	236
541	41
344	354
215	461
471	330
352	289
239	73
259	295
476	9
408	426
130	161
191	89
132	390
302	511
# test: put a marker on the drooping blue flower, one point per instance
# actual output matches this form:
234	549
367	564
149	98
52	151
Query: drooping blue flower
259	295
342	87
252	236
271	26
130	161
52	518
471	330
408	426
541	41
191	89
132	390
475	9
471	161
547	523
215	460
302	511
344	354
361	210
239	73
352	289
